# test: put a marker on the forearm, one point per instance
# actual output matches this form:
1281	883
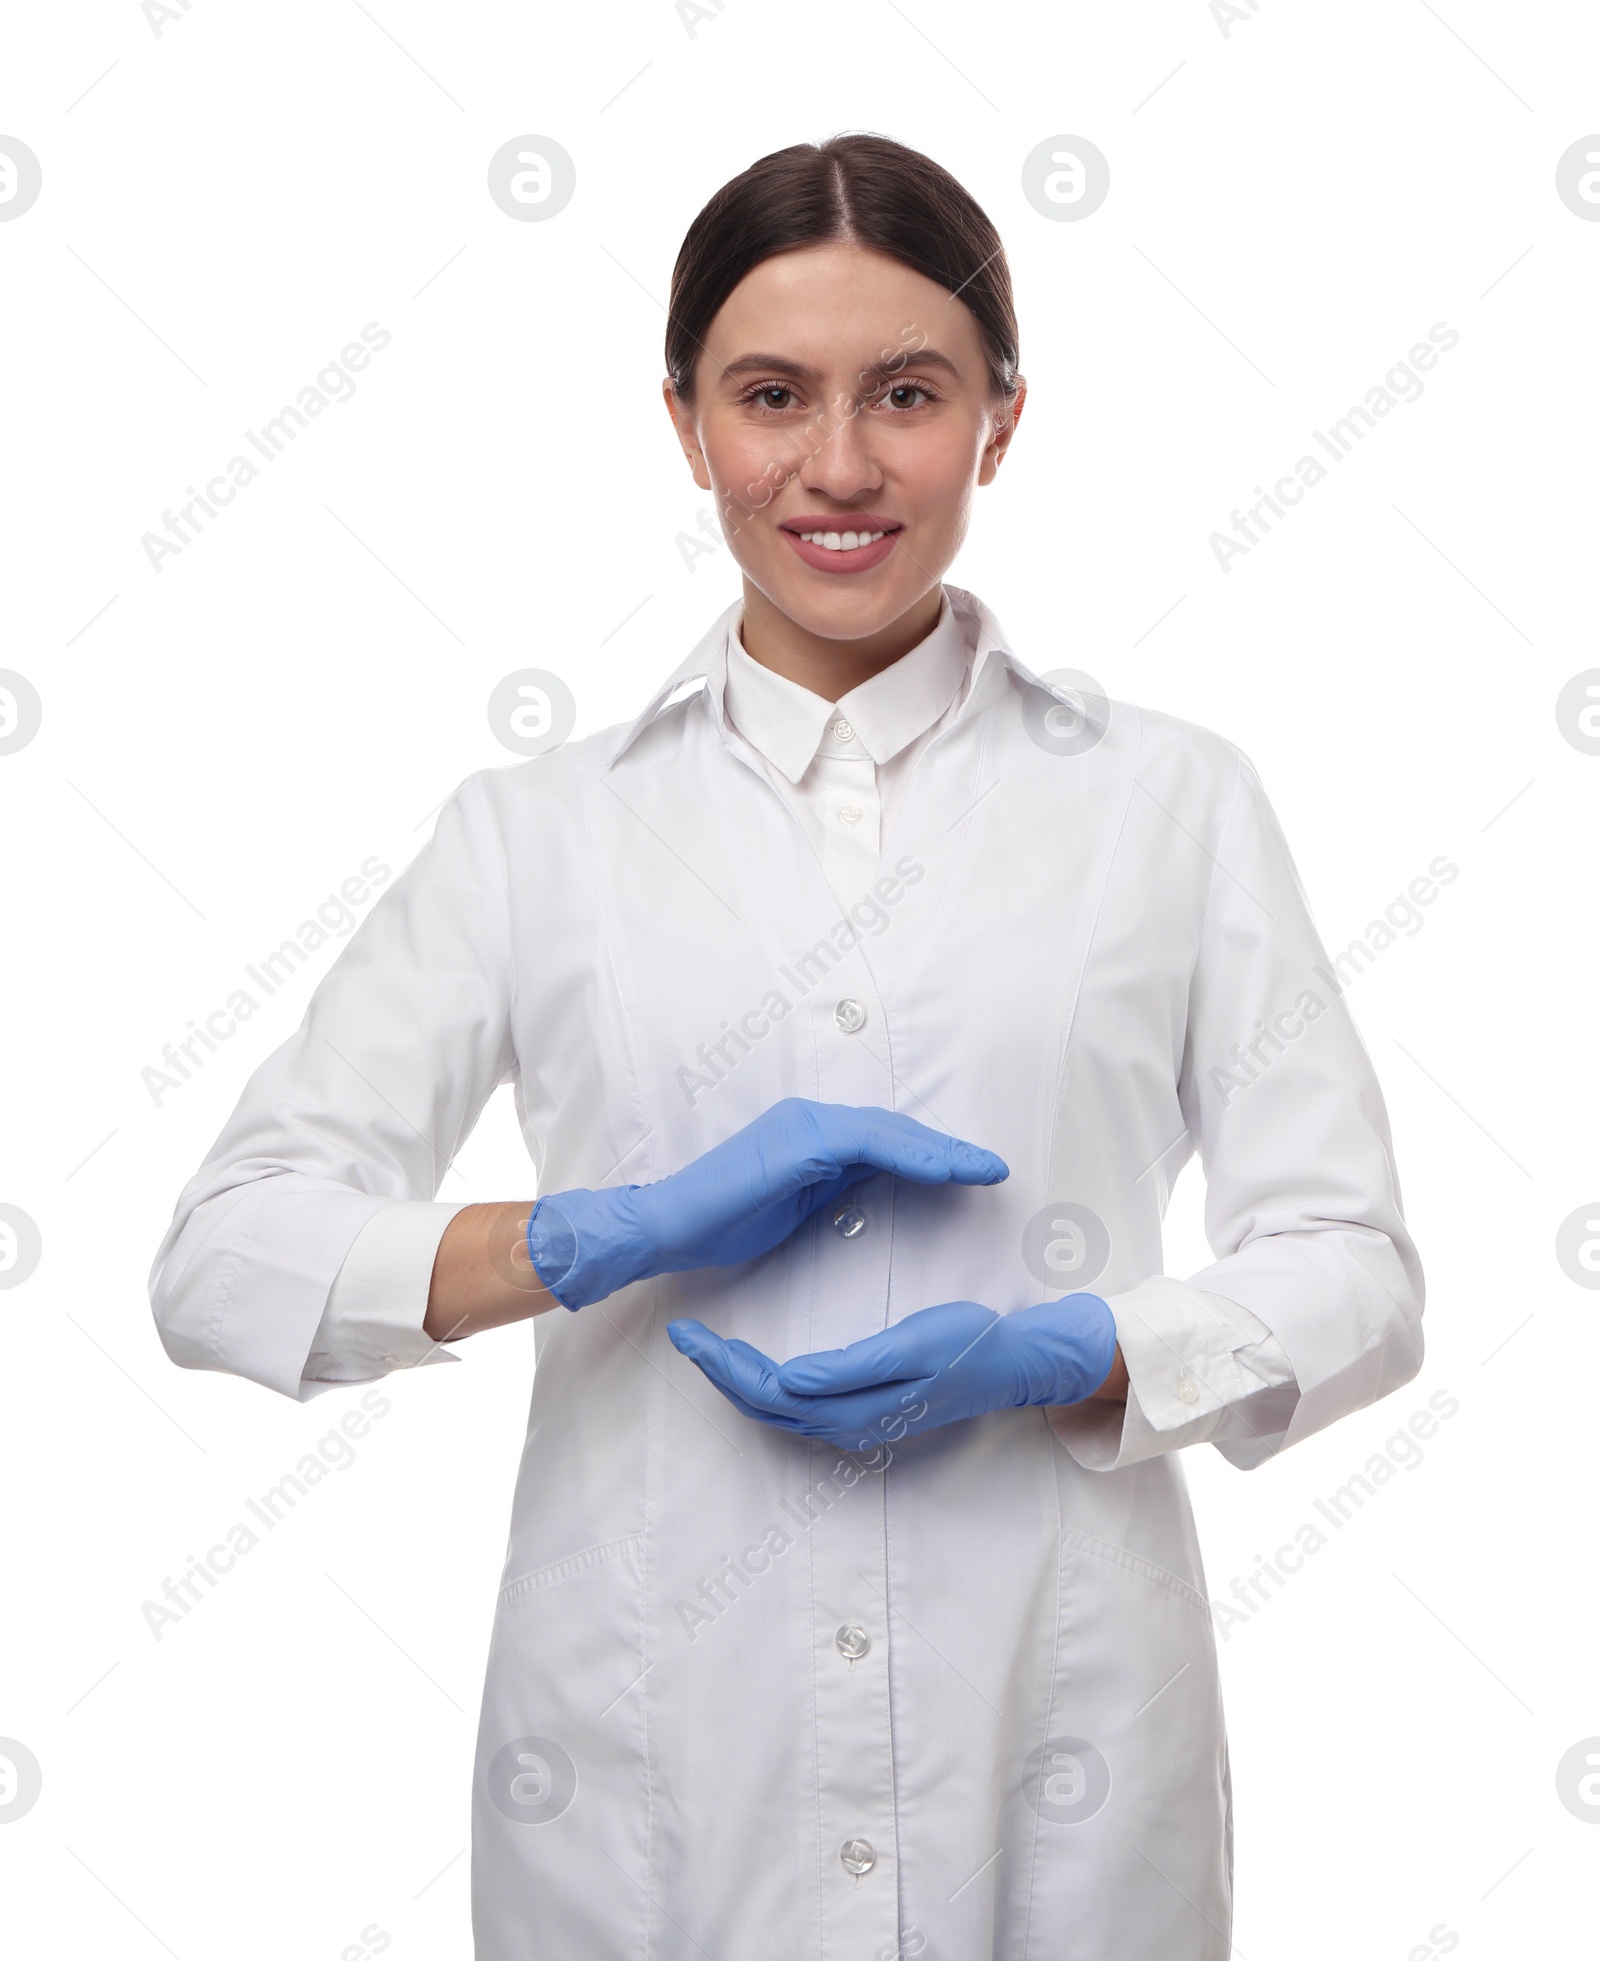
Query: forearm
1115	1387
482	1277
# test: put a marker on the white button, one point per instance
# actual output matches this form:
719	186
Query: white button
842	730
850	813
857	1856
852	1642
849	1016
849	1222
1188	1389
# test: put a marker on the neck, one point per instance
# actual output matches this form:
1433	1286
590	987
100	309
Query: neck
830	668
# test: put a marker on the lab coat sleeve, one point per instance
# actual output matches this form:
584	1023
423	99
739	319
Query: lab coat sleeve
354	1119
373	1320
1201	1369
1303	1208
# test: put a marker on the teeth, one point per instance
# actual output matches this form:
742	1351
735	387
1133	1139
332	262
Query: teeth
841	541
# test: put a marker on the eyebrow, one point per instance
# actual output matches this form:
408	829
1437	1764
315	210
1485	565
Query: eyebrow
922	357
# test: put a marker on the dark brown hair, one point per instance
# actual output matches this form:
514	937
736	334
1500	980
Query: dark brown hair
862	189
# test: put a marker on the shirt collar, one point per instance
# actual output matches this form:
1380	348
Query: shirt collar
786	721
965	624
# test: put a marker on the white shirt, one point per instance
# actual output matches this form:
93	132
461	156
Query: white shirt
844	768
724	1655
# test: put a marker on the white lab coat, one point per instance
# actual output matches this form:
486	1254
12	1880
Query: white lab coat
1093	963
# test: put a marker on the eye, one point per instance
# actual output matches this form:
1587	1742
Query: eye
893	396
761	394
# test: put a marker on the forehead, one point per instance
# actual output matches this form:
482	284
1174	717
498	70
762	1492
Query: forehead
834	305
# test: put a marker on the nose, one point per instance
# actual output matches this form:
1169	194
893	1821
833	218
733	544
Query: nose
841	463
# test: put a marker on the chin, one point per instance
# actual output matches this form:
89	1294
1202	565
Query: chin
859	607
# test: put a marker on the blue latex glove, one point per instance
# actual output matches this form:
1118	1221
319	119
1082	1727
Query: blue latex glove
740	1199
939	1365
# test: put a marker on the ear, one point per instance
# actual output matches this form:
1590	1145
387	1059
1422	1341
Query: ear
1004	427
683	423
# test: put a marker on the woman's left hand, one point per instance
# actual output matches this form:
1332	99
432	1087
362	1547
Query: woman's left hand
939	1365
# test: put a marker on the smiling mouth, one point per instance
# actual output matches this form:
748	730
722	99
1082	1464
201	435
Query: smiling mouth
836	536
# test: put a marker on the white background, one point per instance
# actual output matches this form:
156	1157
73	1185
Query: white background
1293	204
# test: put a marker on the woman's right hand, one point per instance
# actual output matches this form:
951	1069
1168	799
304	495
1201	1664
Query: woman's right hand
739	1199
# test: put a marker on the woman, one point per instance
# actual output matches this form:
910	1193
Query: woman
864	992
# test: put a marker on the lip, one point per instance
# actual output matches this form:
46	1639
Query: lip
862	559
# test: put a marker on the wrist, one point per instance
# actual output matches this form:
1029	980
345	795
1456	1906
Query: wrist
1114	1389
481	1276
1066	1351
586	1244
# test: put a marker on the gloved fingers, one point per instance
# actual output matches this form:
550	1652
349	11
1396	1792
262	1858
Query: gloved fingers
827	1194
742	1373
749	1409
866	1364
864	1420
749	1381
914	1349
887	1140
754	1376
860	1421
799	1142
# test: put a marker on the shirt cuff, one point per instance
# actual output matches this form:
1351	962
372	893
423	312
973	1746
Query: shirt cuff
1201	1369
372	1322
